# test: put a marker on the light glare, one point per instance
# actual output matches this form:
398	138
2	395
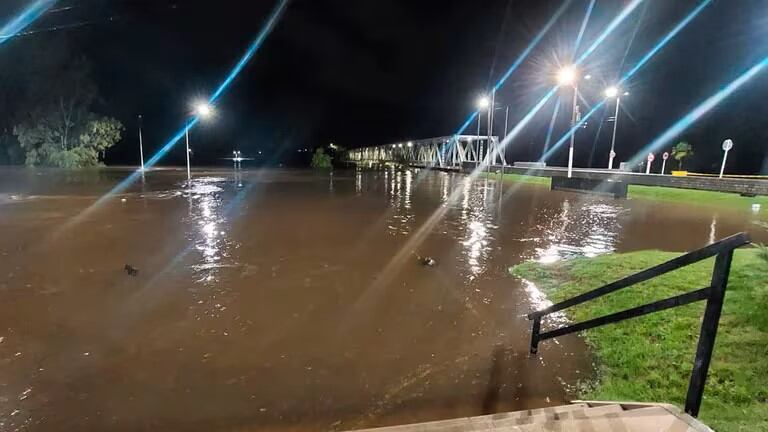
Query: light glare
566	76
203	109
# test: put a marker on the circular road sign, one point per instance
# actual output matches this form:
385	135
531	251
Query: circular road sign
665	156
651	157
727	145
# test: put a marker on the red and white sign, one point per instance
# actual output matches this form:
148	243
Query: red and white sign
651	157
665	156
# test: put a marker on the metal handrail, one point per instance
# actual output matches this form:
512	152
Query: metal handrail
714	294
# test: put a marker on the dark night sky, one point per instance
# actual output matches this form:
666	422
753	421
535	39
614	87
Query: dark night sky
363	72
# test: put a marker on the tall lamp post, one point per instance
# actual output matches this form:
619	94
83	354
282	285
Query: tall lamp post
613	92
203	110
568	76
491	114
141	145
482	104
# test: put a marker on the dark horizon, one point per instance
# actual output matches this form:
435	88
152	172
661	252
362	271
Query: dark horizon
367	73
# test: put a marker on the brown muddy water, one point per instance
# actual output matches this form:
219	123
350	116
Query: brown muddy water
294	300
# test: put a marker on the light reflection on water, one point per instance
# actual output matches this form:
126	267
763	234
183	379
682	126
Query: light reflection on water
399	185
583	229
540	301
209	229
573	227
475	220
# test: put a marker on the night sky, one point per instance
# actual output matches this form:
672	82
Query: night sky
365	72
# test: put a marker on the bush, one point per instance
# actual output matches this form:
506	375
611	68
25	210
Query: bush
320	159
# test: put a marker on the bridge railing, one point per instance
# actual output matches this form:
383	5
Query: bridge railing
713	294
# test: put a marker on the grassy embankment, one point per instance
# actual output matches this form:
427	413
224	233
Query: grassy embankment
650	358
682	196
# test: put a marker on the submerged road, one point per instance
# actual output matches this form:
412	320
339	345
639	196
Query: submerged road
270	299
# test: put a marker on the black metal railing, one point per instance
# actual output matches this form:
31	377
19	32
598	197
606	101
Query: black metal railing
714	294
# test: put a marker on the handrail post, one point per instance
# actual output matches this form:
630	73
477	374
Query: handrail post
708	332
535	331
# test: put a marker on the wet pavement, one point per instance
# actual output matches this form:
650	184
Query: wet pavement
294	300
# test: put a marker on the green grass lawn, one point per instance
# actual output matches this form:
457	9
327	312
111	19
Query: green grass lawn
697	197
519	178
650	358
683	196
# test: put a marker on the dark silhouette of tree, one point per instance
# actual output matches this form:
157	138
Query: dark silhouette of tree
47	97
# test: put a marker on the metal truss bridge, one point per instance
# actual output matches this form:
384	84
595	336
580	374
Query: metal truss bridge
448	152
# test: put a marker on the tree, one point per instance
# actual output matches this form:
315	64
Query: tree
50	139
47	101
320	159
681	151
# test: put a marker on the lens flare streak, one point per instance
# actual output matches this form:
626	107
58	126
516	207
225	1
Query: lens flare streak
694	115
500	83
665	40
128	181
609	29
524	121
265	31
533	44
643	61
583	26
24	19
626	11
571	131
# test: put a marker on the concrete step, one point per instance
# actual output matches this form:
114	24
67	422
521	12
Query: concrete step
652	419
500	419
554	416
604	417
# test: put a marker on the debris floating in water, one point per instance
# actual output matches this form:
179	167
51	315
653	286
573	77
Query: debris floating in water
131	270
425	261
428	261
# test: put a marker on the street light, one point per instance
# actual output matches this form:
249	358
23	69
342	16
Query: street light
203	110
237	158
568	76
613	92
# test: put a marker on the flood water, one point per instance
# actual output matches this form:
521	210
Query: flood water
294	300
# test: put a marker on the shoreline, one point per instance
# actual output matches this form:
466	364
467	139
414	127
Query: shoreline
650	358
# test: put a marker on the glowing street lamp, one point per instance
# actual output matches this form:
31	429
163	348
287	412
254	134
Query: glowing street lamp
203	110
568	76
613	92
237	158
